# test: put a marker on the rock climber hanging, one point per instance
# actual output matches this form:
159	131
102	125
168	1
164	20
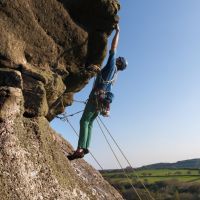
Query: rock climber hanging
100	97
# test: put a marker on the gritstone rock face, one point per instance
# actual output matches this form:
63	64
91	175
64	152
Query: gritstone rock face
45	46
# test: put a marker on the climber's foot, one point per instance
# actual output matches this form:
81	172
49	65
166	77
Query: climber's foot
79	153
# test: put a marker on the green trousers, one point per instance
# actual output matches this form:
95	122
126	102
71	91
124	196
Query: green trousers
86	122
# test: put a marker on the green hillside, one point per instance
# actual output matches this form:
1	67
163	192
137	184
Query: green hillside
189	164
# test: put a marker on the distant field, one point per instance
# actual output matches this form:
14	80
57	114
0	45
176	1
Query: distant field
152	176
163	184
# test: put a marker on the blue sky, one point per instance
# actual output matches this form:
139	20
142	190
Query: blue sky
155	115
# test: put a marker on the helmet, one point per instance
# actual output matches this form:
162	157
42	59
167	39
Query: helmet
124	63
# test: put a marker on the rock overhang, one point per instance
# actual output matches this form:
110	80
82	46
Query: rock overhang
50	43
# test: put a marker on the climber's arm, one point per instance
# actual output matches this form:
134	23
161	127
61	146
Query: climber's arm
112	52
115	40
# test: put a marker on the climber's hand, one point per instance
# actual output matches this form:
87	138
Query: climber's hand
117	27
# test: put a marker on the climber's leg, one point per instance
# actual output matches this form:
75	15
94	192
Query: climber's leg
93	117
84	127
85	121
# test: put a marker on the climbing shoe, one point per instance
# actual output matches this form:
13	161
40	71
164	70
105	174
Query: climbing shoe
76	155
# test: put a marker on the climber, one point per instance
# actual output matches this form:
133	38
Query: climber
100	97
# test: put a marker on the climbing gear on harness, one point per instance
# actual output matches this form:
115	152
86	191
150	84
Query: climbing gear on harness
103	99
124	63
109	97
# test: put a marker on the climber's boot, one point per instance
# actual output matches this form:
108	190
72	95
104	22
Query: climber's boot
79	153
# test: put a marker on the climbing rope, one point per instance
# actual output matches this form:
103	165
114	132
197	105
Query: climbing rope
71	115
118	161
126	158
77	101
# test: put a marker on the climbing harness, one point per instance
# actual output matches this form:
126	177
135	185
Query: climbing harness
100	124
114	78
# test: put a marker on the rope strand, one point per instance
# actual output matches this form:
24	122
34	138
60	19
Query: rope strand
77	101
118	161
126	158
